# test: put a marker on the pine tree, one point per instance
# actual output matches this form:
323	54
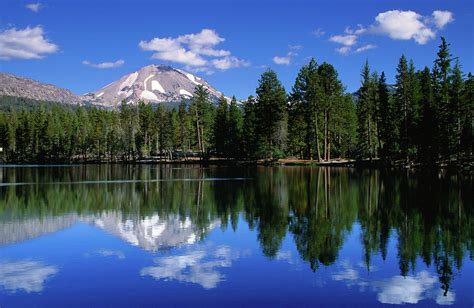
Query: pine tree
203	117
467	133
427	135
386	120
441	87
249	127
271	115
367	134
221	127
331	97
456	109
234	129
406	107
305	110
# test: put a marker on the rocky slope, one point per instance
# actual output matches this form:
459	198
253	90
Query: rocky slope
16	86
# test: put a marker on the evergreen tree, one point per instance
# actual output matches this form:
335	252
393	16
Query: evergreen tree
467	133
271	115
305	110
441	89
203	117
388	130
456	109
367	133
249	127
221	127
427	135
234	130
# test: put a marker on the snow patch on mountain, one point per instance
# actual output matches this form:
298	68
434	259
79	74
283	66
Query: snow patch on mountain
155	85
129	81
148	95
184	92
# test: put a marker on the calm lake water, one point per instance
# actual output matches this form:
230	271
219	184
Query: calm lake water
260	236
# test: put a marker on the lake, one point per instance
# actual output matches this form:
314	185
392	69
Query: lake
148	235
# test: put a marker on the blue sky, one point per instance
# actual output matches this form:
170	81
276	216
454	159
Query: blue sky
84	45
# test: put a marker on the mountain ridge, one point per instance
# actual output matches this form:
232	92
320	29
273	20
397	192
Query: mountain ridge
156	84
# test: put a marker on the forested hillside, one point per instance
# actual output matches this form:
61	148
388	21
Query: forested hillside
427	118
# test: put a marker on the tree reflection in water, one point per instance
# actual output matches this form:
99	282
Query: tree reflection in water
430	214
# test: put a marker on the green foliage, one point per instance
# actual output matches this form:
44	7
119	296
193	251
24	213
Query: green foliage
270	113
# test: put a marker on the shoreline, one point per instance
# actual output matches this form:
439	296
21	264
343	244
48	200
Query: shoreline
465	166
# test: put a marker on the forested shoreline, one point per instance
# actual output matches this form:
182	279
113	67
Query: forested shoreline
427	119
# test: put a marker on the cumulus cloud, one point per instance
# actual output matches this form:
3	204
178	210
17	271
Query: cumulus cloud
199	267
197	51
115	64
396	24
442	18
28	43
35	7
28	276
403	25
285	60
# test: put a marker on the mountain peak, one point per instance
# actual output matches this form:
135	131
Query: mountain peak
154	83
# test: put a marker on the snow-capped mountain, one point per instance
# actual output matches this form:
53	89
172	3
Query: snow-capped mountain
151	84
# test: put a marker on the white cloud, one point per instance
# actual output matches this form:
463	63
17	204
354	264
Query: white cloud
346	40
115	64
405	290
28	43
403	25
28	276
284	60
442	18
318	32
344	50
199	267
397	289
196	51
228	62
396	24
35	7
360	30
365	47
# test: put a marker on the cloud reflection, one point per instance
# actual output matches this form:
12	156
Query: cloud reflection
200	267
397	290
25	275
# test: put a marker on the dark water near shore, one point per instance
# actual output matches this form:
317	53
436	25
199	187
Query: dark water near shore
260	236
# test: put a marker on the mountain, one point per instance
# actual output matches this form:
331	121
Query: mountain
14	86
152	84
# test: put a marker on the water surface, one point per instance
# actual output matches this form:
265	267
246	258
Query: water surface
263	236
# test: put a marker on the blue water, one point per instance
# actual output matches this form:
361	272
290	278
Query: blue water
227	242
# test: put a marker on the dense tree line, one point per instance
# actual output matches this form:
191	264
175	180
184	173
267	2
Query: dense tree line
427	116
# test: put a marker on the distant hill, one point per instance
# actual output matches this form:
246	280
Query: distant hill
15	86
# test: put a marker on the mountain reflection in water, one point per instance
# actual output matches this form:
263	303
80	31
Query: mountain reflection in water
171	213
